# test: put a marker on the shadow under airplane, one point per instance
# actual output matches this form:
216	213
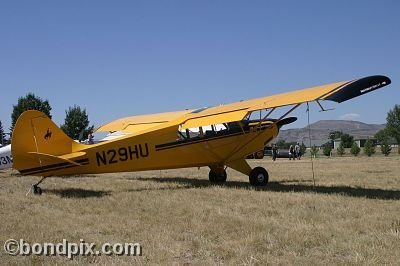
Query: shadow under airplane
283	186
78	193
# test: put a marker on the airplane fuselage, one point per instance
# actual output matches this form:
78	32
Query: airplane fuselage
162	149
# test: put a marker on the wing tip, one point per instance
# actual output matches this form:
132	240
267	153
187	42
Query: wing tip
359	87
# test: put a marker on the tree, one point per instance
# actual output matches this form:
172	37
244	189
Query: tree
355	150
369	148
385	148
3	140
29	102
327	149
314	151
281	144
393	124
382	135
340	150
347	140
76	123
334	135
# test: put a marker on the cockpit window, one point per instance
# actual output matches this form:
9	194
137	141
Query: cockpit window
203	131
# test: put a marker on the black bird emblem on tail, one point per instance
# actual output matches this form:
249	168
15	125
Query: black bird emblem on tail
48	134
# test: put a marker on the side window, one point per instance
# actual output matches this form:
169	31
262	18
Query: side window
206	131
188	133
233	127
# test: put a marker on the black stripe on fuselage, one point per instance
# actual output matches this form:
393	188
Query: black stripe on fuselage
57	168
52	167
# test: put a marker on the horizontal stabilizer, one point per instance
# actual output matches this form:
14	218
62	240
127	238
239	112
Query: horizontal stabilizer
64	158
48	162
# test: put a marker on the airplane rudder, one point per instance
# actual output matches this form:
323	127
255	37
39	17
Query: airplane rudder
36	132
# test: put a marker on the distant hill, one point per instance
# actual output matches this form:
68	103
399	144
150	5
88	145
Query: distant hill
320	130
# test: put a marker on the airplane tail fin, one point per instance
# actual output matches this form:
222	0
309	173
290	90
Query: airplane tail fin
38	143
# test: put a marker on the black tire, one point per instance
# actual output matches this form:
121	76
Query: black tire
37	190
217	177
258	177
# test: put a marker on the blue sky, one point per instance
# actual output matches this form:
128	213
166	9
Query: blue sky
120	58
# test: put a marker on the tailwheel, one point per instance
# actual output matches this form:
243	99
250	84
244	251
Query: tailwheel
36	190
258	177
217	176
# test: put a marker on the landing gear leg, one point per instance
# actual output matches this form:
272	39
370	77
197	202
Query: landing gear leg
217	175
36	190
258	177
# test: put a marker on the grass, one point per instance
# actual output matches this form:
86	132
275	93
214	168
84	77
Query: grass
350	216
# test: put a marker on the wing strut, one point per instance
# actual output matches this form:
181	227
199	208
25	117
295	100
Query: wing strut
322	108
288	112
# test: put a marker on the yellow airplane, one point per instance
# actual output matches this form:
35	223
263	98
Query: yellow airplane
217	137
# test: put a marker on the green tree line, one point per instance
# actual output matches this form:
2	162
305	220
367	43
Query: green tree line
76	123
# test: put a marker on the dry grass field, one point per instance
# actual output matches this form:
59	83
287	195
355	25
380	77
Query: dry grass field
351	216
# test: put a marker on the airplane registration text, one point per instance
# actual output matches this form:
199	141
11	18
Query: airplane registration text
5	160
122	154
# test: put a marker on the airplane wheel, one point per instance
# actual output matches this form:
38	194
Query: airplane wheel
217	177
258	177
37	190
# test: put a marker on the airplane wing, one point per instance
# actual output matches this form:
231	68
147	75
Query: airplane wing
133	124
337	92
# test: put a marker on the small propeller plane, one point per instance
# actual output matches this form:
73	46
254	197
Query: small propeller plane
217	137
5	157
